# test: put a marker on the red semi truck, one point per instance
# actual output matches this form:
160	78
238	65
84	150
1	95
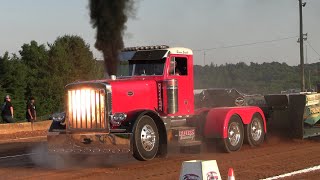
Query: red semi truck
148	105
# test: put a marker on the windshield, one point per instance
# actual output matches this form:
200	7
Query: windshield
141	67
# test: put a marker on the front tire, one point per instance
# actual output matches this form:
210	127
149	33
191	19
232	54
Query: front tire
235	137
255	131
145	139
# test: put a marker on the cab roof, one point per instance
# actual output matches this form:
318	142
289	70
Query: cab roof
173	50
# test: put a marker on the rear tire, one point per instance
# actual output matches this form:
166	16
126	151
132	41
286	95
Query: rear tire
145	139
235	135
255	131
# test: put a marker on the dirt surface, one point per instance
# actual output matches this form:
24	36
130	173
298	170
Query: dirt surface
278	155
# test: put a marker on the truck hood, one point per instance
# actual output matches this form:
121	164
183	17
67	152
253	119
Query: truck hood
133	94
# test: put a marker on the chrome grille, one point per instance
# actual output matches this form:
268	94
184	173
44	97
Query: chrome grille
86	108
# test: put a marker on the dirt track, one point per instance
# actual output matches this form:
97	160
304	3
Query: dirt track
274	157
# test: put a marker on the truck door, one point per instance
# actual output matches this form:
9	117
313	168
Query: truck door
178	69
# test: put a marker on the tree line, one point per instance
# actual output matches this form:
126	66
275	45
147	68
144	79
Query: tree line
264	78
42	71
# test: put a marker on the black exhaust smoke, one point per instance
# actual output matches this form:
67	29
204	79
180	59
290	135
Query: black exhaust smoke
109	17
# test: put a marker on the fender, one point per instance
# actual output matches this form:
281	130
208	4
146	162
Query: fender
134	115
218	118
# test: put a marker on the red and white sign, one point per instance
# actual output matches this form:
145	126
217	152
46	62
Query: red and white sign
186	134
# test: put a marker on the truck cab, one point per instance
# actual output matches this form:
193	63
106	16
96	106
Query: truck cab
172	71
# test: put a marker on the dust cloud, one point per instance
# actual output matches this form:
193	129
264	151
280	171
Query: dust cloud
41	158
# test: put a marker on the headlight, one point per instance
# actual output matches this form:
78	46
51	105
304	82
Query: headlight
117	118
59	117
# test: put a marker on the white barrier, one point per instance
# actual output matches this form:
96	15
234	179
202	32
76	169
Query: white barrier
200	170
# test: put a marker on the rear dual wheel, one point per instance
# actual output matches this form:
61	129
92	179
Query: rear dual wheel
255	131
235	135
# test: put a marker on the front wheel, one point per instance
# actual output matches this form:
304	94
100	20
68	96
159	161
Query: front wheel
235	134
145	139
255	131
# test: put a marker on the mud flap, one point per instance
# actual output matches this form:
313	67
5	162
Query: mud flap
278	107
185	139
296	111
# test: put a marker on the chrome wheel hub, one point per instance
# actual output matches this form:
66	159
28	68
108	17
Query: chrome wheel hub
234	134
148	137
256	129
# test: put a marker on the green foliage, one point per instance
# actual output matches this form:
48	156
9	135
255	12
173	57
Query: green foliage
13	82
262	78
43	73
35	57
70	60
